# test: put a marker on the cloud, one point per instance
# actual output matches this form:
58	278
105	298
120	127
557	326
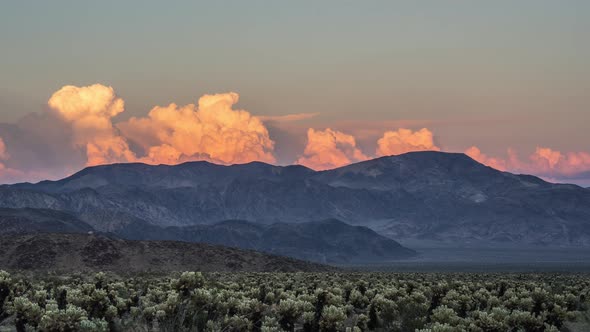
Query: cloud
405	140
78	130
289	134
3	156
328	149
476	154
210	131
545	162
89	110
3	153
546	158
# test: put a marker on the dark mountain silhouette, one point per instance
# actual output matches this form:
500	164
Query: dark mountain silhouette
84	252
419	196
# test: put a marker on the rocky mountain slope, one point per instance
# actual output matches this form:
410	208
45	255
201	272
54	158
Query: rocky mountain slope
27	220
82	252
327	241
419	196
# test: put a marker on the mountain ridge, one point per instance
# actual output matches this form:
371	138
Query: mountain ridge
430	196
65	252
327	241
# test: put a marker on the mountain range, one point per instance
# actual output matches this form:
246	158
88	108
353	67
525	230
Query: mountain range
77	253
324	241
428	197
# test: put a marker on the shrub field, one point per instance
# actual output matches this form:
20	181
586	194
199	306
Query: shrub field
192	301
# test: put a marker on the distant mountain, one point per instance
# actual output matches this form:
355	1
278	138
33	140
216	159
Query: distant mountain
82	252
327	241
419	196
18	221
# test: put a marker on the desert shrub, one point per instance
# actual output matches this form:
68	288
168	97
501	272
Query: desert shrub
310	302
5	288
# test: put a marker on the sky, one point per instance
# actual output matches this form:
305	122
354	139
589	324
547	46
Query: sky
319	83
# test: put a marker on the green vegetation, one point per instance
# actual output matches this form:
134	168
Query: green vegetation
192	301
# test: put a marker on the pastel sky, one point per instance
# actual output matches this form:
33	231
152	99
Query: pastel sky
320	83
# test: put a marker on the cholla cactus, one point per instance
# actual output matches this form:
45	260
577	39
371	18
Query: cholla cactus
289	312
300	302
189	281
332	319
5	286
69	319
525	320
236	323
308	319
489	321
94	325
100	279
357	299
26	313
270	324
445	316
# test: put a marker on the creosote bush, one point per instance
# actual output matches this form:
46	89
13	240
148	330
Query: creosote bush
310	302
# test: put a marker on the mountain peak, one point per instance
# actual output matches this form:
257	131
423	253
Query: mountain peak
426	159
422	195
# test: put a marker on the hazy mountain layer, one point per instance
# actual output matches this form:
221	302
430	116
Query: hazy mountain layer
328	241
17	221
420	196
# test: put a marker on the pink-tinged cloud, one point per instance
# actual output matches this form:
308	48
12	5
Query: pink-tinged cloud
3	153
3	156
328	149
211	131
476	154
89	110
78	131
405	140
544	162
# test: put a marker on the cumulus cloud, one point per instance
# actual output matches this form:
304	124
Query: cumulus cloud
3	153
545	162
289	132
210	131
546	159
328	149
89	110
3	156
476	154
78	130
405	140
